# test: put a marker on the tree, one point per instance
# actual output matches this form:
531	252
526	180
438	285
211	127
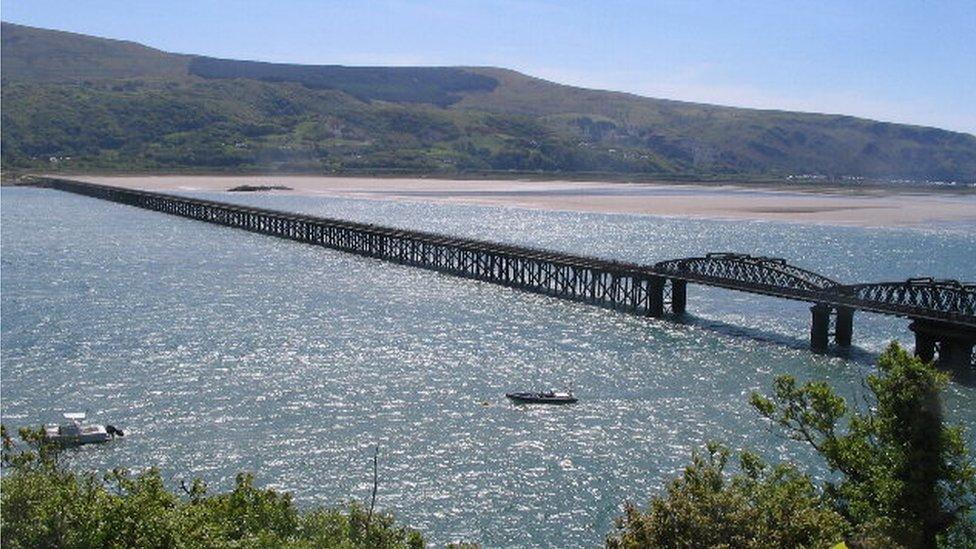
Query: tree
761	506
904	473
902	476
44	504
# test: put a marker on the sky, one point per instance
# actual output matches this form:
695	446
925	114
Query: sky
896	60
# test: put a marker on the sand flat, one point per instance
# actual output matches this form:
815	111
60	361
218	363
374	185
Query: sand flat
867	208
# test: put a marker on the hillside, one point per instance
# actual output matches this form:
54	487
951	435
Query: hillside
40	55
83	103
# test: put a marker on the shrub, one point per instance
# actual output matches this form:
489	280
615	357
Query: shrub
904	477
43	504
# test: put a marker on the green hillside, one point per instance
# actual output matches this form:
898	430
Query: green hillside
40	55
439	86
82	103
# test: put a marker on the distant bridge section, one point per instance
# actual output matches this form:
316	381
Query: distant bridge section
767	275
943	312
944	300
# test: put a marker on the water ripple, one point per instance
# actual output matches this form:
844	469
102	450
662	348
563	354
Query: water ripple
220	351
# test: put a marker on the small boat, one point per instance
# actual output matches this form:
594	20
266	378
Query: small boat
547	397
74	431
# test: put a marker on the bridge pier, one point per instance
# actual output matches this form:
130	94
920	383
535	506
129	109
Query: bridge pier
655	296
949	346
843	321
679	296
956	353
844	326
924	345
820	327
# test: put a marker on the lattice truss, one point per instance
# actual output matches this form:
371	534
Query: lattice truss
576	277
771	272
946	296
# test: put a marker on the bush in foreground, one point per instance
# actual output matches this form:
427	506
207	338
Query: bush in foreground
43	504
904	478
761	506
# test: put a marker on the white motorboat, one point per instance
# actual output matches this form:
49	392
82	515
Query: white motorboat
75	432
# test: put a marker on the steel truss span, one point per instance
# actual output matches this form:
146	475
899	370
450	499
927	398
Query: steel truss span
945	308
772	274
917	297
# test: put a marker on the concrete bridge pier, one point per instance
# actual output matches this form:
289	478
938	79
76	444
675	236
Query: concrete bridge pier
950	346
655	296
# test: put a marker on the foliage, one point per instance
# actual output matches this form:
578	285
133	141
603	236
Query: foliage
761	506
902	478
904	474
46	505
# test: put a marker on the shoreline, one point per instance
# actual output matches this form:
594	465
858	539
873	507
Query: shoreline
874	207
798	184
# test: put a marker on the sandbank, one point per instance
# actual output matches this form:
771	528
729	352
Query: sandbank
853	207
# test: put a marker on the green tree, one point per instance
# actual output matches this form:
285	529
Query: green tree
761	506
44	504
902	476
904	473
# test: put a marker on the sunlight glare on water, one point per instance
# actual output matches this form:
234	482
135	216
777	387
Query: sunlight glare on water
219	350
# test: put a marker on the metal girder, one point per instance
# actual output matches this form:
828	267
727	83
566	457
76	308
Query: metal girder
541	270
917	296
769	272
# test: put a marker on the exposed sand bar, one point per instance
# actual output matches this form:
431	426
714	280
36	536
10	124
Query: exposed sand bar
866	208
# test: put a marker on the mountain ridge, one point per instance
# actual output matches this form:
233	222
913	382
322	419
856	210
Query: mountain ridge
87	103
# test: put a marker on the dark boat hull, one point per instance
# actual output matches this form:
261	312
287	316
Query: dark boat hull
532	398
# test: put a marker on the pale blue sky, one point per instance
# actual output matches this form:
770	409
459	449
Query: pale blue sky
900	61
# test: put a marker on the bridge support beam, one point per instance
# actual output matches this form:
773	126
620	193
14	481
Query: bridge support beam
655	296
950	346
679	296
820	327
955	353
844	326
924	345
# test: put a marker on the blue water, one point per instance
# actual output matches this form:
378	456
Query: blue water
219	351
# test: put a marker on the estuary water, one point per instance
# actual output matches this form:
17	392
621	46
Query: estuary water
220	351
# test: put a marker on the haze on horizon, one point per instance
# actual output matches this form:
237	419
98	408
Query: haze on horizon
898	62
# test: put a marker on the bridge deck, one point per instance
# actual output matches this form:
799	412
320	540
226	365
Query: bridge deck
642	289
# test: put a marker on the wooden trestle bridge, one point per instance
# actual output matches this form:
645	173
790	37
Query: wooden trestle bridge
942	312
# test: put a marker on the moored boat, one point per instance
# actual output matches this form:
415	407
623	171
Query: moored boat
75	432
545	397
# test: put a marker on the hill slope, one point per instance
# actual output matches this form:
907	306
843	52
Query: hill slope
42	55
90	103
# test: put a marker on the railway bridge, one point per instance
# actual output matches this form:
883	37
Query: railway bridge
942	312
